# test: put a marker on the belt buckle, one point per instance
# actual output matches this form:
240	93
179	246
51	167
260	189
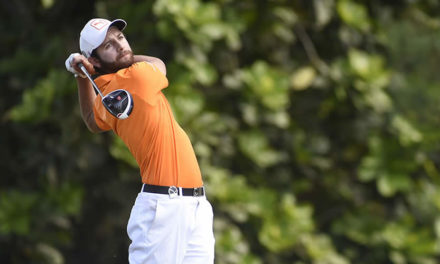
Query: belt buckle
173	191
198	192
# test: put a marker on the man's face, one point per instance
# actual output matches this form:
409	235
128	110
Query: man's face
114	53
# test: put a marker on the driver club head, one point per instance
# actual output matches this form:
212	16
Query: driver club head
119	103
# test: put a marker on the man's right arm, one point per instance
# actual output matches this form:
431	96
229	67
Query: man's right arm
86	94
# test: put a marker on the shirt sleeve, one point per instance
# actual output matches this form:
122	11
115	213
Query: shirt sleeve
148	81
143	80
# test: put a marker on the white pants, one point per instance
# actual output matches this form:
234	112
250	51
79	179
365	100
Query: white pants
171	230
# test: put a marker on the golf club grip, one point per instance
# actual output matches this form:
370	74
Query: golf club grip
84	70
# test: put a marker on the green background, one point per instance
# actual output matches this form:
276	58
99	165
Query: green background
315	124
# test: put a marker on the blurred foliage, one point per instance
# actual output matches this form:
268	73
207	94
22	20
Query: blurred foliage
315	124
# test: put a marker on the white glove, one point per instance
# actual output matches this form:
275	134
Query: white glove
70	68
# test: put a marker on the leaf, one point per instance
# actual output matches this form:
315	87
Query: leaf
363	225
288	16
37	103
368	168
186	106
213	30
391	172
323	11
320	248
389	184
256	147
354	14
303	78
47	3
395	234
49	254
378	99
15	212
67	198
231	244
278	233
268	85
202	72
369	67
280	119
406	132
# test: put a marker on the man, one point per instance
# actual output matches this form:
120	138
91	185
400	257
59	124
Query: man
171	220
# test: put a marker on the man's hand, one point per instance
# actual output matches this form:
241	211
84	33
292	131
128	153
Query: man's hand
72	65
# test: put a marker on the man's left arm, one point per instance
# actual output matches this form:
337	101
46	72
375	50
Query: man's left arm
153	60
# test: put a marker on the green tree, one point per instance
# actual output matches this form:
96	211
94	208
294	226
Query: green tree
314	122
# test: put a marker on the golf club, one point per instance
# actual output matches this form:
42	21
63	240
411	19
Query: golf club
119	103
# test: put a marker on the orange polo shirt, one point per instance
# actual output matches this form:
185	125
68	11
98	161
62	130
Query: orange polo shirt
161	148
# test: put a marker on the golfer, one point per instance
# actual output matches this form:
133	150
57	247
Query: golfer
171	219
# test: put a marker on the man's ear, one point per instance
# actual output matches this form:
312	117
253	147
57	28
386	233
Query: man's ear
95	62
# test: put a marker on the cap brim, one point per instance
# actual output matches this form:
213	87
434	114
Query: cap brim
119	23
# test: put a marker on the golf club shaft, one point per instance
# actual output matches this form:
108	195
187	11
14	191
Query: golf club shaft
84	70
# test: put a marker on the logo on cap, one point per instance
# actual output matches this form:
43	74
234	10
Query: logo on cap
99	23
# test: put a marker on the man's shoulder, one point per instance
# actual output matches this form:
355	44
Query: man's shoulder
144	65
138	67
142	70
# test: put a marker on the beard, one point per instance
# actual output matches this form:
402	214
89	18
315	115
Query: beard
121	62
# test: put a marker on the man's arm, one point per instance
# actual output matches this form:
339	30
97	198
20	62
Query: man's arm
153	60
86	94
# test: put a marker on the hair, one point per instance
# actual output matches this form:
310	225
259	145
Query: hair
94	54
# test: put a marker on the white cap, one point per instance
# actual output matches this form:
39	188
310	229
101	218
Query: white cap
94	32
